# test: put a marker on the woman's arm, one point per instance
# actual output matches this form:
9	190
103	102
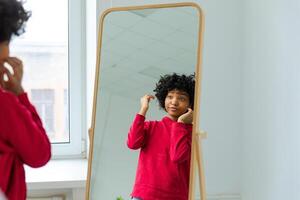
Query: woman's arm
22	128
137	135
180	144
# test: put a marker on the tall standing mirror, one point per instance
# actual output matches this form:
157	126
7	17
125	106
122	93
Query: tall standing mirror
136	46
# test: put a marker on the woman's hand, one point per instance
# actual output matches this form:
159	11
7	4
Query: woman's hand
186	118
14	82
145	100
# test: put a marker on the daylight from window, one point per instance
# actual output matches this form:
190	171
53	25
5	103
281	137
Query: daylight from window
44	51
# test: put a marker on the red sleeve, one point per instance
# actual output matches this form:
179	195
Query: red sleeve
180	144
138	132
22	129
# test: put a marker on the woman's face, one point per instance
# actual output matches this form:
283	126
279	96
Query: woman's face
4	51
176	103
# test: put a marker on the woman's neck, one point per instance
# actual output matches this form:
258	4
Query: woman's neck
172	118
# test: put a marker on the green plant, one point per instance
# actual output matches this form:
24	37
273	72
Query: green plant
120	198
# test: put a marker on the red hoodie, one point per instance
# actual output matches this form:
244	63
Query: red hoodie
23	140
164	161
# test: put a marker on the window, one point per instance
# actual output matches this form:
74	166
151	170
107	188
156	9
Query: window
52	50
43	99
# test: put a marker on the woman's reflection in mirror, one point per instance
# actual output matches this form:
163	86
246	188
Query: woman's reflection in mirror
165	145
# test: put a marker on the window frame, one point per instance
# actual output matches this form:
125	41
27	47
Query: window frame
76	148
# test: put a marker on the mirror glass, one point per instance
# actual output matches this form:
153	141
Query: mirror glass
137	47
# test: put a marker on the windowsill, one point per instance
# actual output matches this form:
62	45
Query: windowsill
58	174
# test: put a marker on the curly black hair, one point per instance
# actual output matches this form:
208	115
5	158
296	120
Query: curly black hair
173	81
12	19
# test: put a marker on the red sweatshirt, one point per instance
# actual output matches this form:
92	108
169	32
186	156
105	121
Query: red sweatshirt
23	140
164	161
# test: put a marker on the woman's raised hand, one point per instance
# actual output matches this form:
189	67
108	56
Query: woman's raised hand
145	100
14	78
186	118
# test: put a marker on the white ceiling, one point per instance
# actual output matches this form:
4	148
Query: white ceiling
140	45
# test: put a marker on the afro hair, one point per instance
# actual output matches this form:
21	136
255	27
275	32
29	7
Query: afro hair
12	19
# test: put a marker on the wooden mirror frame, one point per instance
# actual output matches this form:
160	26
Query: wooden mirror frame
197	135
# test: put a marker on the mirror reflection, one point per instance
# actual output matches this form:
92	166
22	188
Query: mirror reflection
144	101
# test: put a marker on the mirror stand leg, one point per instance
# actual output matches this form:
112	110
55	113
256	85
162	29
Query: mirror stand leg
200	165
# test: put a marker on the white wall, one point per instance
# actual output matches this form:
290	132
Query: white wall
221	102
271	69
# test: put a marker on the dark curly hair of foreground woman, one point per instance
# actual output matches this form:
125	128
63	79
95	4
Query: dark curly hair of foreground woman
12	19
174	81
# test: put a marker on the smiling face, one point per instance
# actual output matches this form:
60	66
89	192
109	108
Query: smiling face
177	103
